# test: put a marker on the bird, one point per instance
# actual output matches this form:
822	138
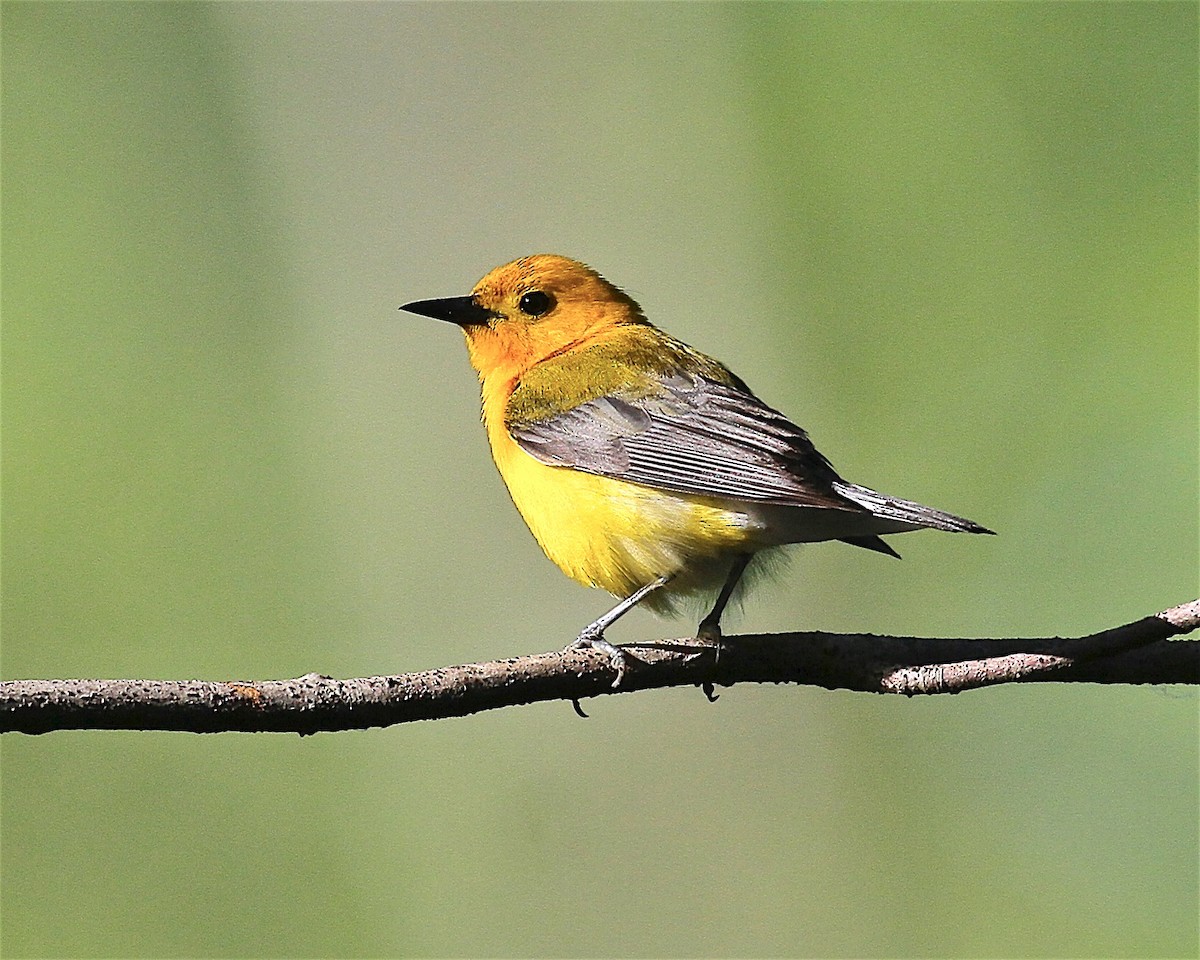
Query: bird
641	465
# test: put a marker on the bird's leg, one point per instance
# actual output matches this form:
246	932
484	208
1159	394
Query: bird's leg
593	634
710	626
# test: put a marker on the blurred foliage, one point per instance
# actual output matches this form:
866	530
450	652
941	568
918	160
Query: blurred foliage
956	241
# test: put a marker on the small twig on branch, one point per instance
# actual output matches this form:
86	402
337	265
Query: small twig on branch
1137	652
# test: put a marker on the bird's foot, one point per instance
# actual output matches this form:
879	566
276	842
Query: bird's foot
709	632
595	640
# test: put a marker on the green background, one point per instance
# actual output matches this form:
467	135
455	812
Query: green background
956	242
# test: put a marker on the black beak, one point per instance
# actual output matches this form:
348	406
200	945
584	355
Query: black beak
464	311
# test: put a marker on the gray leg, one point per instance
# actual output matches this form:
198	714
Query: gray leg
593	634
710	626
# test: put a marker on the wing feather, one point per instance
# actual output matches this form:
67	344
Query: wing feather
689	434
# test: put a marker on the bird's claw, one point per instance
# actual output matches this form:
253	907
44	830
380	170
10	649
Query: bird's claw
710	633
616	656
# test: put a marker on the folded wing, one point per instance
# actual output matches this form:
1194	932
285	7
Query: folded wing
691	435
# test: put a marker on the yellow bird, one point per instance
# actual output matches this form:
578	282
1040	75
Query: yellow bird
641	465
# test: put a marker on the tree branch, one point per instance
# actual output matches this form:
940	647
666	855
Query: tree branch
1137	652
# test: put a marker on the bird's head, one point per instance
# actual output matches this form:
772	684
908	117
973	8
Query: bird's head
531	309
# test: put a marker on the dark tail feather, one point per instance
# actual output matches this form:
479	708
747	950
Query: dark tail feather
906	511
871	543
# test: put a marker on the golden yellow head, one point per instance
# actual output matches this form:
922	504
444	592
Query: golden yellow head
531	309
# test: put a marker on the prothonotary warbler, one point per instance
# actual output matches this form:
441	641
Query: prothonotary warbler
643	466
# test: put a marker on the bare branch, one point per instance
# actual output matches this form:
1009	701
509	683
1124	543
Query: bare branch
1137	652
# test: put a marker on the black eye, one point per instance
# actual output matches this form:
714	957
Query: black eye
535	303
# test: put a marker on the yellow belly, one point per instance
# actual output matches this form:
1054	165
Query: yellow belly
620	536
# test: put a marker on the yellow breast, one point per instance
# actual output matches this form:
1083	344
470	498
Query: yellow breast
616	535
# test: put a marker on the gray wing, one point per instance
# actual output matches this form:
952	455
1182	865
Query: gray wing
694	435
